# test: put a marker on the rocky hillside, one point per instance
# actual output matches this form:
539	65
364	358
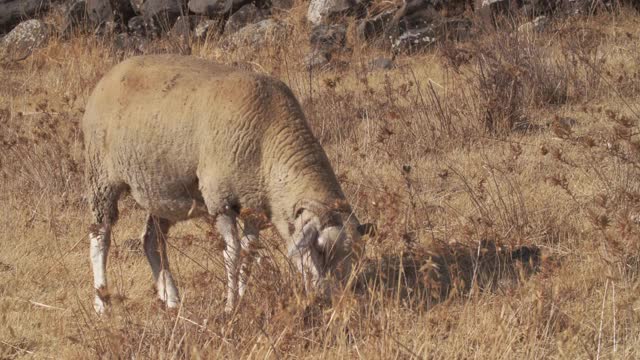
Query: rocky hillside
402	26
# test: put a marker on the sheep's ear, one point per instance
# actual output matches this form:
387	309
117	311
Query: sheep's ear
367	229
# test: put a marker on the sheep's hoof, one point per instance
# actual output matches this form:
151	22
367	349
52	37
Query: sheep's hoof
101	301
228	309
100	306
171	303
167	291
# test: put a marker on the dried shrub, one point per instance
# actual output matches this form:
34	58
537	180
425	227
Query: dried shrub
39	154
514	73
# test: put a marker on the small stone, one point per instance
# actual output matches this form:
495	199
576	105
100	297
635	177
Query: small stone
413	40
182	27
537	25
328	38
376	26
137	26
128	43
204	27
381	63
317	59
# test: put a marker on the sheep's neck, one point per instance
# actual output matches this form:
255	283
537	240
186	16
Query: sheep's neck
297	168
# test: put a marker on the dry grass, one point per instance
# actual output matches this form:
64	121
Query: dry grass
503	174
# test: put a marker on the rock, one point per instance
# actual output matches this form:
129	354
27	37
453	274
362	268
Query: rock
369	29
566	122
419	29
183	27
162	13
103	11
108	28
489	2
454	29
217	8
211	7
125	43
137	26
317	59
491	10
13	11
576	7
328	38
281	4
418	14
137	5
258	34
534	8
324	11
414	39
536	25
204	28
381	63
123	9
99	11
75	17
23	39
248	14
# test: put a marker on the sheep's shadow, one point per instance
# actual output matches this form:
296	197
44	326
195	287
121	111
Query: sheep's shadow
429	275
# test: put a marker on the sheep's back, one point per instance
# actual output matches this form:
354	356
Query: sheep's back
153	121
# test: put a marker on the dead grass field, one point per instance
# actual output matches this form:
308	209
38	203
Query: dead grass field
503	174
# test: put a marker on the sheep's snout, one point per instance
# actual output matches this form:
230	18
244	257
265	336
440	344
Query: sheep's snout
318	255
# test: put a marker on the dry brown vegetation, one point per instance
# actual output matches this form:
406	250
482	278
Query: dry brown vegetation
503	174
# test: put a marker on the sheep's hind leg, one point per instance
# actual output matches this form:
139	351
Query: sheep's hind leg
226	226
155	247
100	240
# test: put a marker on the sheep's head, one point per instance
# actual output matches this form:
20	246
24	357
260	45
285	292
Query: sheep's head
326	242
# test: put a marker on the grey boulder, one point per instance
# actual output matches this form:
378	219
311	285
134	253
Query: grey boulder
216	8
162	13
103	11
14	11
248	14
326	11
23	39
258	34
75	16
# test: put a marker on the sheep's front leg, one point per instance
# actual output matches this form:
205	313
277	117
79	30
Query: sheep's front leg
100	240
248	242
155	247
226	226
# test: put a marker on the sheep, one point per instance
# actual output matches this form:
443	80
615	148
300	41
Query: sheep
187	138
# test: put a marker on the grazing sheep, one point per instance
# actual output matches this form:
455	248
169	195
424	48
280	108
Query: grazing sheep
188	138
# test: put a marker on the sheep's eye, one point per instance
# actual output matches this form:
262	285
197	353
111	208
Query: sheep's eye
305	222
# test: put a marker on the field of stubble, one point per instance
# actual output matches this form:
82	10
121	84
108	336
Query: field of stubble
503	174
